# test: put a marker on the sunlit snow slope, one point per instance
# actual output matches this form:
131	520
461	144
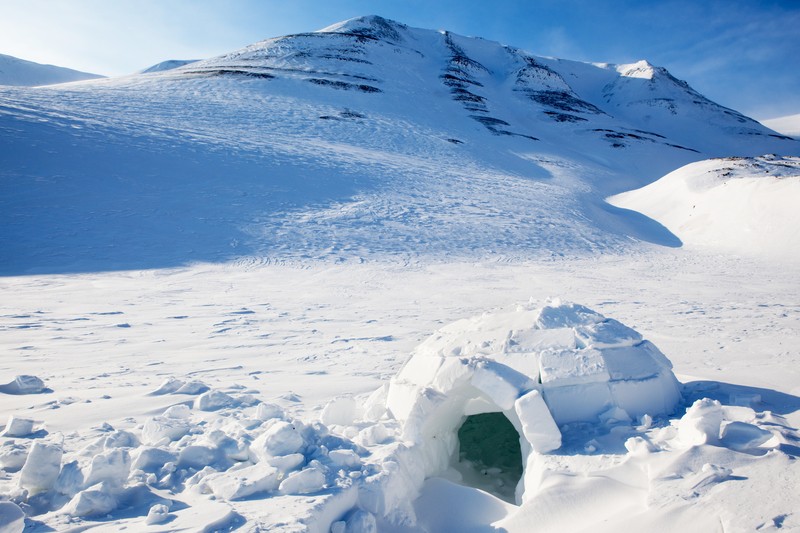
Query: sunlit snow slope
366	139
15	71
744	205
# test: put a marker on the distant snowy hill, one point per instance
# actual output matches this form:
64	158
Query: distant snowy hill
745	205
367	139
788	125
167	65
14	71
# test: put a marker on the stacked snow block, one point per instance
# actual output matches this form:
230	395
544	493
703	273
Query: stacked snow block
541	367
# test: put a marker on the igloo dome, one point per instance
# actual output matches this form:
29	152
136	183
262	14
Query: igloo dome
539	368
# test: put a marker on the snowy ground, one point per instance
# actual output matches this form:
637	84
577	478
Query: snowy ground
300	337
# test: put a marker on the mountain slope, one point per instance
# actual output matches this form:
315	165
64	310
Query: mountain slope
368	139
15	71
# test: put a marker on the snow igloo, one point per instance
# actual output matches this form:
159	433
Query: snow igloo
485	395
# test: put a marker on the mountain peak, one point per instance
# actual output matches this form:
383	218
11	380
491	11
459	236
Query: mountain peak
640	69
373	26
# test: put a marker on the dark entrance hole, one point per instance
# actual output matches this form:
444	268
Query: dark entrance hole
489	456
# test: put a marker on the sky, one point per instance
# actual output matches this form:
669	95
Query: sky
743	54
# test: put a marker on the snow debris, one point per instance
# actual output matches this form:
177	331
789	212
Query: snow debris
24	385
701	423
158	514
213	400
17	427
41	468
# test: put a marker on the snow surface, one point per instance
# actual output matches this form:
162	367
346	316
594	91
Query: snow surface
736	204
15	71
214	275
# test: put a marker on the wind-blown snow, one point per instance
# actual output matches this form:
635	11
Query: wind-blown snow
212	277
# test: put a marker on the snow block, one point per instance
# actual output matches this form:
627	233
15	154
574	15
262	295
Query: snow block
95	501
158	430
306	481
213	400
18	427
282	438
538	426
24	385
41	468
701	423
244	482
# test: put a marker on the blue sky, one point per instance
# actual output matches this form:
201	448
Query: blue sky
743	54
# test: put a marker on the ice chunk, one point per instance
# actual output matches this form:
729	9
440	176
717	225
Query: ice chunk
158	514
306	481
213	400
41	468
94	501
341	411
701	423
538	426
244	482
12	518
282	438
18	427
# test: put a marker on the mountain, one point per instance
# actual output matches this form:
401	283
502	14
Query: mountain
14	71
167	65
364	140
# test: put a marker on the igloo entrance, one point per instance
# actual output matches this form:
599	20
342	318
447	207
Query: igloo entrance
488	455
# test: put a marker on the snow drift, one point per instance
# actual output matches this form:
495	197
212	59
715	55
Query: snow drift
741	205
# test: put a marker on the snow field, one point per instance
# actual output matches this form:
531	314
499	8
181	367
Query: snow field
249	448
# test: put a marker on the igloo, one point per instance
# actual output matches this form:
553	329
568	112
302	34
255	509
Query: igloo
534	370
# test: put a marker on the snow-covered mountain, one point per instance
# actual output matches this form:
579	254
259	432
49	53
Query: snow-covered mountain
169	64
19	72
366	138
